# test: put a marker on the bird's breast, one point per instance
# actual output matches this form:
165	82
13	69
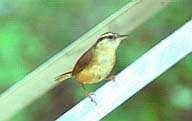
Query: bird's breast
99	68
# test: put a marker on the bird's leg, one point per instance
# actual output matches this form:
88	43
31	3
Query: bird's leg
83	86
111	77
88	94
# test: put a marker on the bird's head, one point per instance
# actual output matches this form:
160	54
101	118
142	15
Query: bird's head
110	39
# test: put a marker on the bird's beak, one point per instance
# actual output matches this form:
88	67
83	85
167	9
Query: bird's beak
121	37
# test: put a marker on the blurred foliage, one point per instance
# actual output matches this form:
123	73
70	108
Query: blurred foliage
32	31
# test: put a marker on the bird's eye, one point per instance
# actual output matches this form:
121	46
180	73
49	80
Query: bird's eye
110	37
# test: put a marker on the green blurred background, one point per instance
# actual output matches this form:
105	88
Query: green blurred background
32	31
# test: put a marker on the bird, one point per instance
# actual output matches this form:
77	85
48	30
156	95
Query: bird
97	62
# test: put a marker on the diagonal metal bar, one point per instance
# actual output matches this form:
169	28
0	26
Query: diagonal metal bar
135	77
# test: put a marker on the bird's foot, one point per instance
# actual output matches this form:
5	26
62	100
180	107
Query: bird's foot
111	77
90	95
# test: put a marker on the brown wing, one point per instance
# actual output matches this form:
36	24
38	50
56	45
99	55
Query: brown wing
84	61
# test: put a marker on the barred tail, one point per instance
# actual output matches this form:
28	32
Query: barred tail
64	76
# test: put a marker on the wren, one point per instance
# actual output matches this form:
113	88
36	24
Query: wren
97	62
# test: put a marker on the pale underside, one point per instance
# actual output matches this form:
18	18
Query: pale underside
99	66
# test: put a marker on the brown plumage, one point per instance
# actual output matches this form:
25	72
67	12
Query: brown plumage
83	61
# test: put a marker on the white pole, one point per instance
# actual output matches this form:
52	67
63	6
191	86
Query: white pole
135	77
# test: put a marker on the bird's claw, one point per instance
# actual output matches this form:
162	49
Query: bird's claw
90	94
